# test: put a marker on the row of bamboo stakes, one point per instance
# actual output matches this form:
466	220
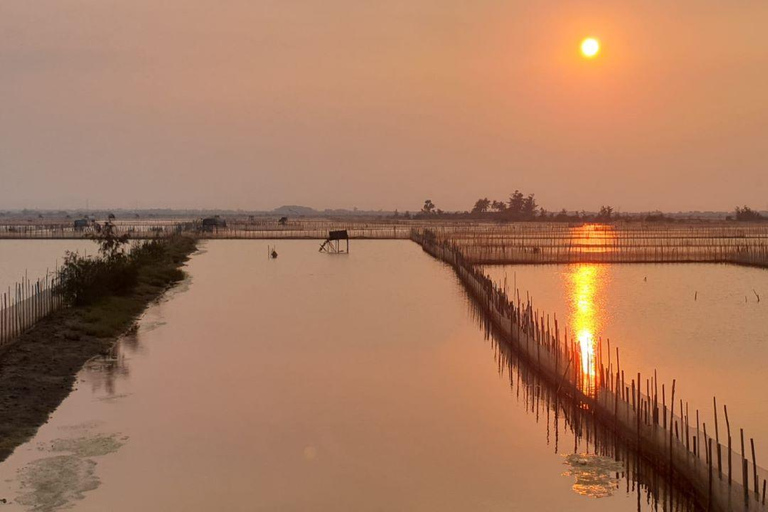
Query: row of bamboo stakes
233	231
478	232
539	395
614	244
485	243
26	303
661	430
603	387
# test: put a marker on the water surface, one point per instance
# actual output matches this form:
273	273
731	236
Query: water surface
701	324
311	382
33	258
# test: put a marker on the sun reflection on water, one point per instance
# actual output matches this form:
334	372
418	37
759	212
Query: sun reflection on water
585	290
585	282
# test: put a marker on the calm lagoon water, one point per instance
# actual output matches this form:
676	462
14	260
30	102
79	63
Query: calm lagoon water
700	324
310	382
34	257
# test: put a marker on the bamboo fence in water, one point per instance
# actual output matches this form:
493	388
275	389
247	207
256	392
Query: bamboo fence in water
595	448
479	243
723	476
27	303
644	413
482	242
548	243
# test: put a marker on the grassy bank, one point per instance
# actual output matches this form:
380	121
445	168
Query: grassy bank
38	370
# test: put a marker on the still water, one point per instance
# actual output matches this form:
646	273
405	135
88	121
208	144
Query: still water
34	258
701	324
310	382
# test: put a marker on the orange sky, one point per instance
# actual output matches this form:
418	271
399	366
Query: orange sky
340	103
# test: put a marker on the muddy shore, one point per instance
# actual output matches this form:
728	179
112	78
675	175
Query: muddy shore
38	370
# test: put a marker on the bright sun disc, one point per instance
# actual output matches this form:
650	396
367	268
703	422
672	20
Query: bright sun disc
590	46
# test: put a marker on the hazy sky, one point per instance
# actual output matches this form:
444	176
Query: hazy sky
341	103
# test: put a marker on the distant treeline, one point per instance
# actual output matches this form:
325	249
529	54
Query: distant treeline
520	207
746	214
523	207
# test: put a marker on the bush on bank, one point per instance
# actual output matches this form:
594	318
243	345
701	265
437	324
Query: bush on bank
85	280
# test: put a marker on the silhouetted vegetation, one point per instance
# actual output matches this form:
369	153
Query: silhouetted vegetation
87	279
605	214
428	208
518	206
747	214
657	217
482	205
498	206
521	207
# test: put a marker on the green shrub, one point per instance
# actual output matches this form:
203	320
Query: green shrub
85	280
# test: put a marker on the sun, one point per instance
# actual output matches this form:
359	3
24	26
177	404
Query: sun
590	47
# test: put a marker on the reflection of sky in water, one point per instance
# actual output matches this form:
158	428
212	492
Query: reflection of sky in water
33	258
237	391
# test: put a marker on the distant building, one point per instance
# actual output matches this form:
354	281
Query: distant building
81	224
211	223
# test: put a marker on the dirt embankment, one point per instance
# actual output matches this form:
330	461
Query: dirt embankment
38	370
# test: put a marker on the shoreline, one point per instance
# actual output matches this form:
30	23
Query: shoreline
38	369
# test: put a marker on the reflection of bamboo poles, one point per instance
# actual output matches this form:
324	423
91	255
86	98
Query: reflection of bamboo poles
728	426
617	405
590	435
